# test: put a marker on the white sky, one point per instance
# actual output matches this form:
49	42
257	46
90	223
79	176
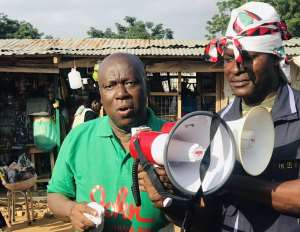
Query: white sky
72	18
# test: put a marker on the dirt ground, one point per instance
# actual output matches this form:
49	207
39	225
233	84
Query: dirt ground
44	219
41	224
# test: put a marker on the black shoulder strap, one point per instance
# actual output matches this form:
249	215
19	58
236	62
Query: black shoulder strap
204	165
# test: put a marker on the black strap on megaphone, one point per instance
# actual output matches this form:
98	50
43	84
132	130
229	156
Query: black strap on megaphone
204	165
154	178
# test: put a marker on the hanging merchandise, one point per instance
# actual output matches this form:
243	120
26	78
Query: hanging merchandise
75	79
45	133
95	73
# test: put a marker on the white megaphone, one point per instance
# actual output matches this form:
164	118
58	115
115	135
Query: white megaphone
254	136
181	148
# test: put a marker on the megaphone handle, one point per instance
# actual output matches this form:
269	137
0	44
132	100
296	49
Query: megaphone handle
147	167
154	178
135	184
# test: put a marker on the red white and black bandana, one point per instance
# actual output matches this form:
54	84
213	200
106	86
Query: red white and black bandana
256	27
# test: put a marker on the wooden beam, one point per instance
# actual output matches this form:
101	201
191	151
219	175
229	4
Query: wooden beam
28	70
27	62
79	63
183	66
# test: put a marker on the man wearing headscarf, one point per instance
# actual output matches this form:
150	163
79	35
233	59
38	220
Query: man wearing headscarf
256	68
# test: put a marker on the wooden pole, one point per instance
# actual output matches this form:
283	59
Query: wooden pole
179	97
220	101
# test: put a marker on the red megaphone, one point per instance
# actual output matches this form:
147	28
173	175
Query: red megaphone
167	127
152	144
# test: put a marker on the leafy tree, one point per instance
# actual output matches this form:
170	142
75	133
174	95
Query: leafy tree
135	29
10	28
217	25
289	10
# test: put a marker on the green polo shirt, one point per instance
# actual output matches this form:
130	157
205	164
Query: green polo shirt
93	166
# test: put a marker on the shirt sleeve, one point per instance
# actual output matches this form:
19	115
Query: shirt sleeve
62	179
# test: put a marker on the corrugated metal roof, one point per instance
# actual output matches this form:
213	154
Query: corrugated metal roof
96	47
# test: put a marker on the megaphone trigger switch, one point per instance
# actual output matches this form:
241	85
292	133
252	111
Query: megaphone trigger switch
167	202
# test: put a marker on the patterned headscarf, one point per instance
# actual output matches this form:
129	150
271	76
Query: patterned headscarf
256	27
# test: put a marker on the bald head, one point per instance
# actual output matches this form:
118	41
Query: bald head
123	90
126	58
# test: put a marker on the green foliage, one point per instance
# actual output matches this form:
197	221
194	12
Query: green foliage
10	28
134	29
217	25
289	10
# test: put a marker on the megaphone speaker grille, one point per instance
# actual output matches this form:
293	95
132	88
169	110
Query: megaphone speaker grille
184	150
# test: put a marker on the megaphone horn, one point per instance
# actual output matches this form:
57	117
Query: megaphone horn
254	136
195	128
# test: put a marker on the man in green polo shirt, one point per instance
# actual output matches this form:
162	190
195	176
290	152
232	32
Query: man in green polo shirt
94	163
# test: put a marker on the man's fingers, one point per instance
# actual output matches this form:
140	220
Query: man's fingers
87	223
141	175
164	179
78	219
141	179
169	187
140	168
142	185
142	188
158	204
78	226
90	210
160	171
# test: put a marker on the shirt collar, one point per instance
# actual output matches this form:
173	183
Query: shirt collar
104	128
284	107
